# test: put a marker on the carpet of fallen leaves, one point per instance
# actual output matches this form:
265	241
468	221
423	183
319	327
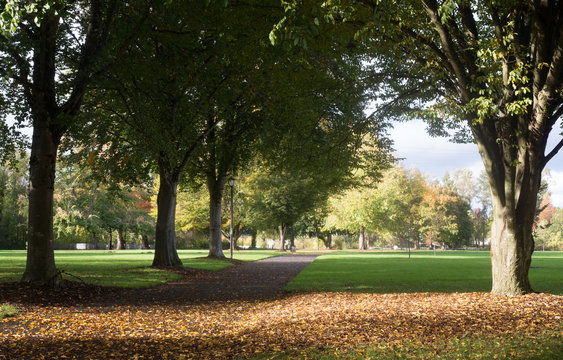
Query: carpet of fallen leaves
233	329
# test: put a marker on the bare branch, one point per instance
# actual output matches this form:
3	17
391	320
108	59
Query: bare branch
552	153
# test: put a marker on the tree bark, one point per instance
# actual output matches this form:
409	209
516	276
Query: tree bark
145	242
121	241
283	231
512	242
291	238
215	187
110	245
362	241
40	265
253	240
165	253
512	246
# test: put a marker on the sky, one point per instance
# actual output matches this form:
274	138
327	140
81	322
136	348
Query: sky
435	155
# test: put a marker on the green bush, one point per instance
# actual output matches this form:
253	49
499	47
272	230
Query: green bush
8	310
199	243
344	241
203	244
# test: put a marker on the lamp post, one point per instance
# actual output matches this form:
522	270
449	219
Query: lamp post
232	185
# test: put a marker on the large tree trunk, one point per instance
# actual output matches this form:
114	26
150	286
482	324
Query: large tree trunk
512	246
514	180
253	240
121	241
512	242
362	240
283	231
291	238
215	187
145	242
165	253
511	140
51	120
40	265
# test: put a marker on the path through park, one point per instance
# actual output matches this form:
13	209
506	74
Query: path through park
256	280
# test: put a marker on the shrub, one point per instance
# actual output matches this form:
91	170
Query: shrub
8	310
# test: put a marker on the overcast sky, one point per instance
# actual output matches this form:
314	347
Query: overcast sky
435	156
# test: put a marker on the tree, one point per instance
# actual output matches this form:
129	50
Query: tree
388	207
357	210
445	218
493	68
193	210
279	199
545	210
144	119
464	184
402	192
85	208
299	110
49	53
550	235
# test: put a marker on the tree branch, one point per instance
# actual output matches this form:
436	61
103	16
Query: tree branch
93	46
552	153
431	9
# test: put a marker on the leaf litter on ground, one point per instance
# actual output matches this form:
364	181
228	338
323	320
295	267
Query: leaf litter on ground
89	322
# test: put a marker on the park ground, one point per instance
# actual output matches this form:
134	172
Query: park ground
370	305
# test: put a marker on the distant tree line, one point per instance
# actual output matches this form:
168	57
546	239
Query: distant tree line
404	208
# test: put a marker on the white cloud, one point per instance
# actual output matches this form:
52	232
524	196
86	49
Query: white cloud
432	155
555	186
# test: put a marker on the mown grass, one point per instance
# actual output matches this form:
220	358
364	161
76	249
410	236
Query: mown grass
129	268
543	345
394	272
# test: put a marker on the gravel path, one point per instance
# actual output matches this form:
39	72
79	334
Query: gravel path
255	280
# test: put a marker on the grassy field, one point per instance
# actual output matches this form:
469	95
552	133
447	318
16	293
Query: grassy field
377	272
394	272
128	268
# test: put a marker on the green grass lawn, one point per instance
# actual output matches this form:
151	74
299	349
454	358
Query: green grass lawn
128	268
394	272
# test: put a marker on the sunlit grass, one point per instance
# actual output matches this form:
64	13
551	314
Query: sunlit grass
544	345
127	268
394	272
